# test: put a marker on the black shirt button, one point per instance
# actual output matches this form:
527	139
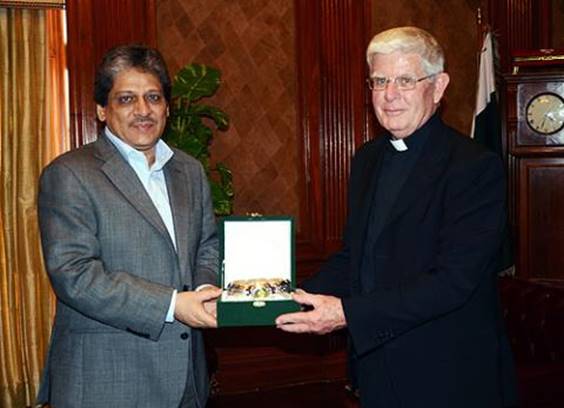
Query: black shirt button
184	336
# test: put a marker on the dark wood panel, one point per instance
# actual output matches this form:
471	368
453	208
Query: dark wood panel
519	24
262	358
342	97
94	26
331	40
310	244
541	217
327	394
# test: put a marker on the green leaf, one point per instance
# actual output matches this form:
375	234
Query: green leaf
223	205
195	81
225	178
188	132
219	117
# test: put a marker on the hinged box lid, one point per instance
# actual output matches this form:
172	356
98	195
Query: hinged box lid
257	269
257	247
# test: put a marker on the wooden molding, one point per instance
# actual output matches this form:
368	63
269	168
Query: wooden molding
331	39
519	24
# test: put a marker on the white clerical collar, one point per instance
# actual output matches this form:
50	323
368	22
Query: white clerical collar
399	145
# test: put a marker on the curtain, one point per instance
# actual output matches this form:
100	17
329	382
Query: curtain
33	3
34	129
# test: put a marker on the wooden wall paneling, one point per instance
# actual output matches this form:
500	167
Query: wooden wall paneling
519	24
331	44
254	46
80	59
508	125
93	27
541	218
264	358
343	29
310	248
543	19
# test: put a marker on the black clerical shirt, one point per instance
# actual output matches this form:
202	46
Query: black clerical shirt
392	174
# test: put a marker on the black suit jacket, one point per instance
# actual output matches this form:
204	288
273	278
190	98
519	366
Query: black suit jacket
430	333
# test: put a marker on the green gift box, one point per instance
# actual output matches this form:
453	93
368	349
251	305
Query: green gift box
257	271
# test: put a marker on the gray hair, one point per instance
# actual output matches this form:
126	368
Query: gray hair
124	57
409	40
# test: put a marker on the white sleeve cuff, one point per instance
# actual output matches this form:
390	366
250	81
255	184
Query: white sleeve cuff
170	314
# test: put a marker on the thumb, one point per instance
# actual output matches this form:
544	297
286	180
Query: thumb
304	298
209	294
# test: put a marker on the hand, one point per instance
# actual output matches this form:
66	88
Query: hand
327	315
211	305
211	308
191	308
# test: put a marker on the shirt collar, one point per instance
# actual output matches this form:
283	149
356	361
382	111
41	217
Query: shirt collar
163	153
417	138
399	144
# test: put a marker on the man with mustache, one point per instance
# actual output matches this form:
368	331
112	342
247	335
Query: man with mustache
130	246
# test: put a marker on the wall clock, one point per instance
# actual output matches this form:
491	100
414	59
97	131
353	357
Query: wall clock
539	109
545	113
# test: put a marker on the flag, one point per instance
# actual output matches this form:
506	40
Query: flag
486	129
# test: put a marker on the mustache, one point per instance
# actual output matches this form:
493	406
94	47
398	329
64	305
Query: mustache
142	121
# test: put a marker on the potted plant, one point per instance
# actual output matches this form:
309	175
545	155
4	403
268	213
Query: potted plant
189	127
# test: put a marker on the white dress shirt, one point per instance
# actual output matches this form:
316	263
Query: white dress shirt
153	179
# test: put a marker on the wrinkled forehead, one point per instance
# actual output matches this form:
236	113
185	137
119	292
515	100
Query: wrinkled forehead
396	63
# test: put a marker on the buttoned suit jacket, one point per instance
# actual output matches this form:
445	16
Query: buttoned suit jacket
429	333
113	267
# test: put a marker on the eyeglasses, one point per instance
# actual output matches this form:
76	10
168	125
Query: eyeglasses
403	83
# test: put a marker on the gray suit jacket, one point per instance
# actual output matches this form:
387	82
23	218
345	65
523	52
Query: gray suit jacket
113	268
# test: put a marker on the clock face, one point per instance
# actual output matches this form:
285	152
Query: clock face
545	113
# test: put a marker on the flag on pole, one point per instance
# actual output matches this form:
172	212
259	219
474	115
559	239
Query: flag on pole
486	129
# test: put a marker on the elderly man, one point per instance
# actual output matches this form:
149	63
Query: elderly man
128	235
415	281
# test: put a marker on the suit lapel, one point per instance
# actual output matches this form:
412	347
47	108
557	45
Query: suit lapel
125	180
177	181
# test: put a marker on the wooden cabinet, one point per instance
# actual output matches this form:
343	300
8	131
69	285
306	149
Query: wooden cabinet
540	212
536	176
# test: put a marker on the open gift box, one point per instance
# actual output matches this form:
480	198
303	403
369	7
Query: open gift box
257	272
